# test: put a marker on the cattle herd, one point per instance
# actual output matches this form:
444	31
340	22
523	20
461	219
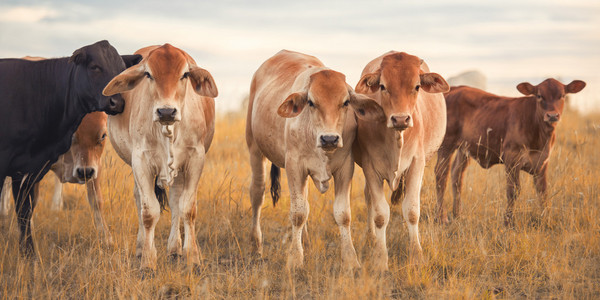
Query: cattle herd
302	116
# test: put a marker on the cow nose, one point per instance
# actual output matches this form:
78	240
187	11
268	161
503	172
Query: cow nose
552	117
116	105
401	121
166	114
329	141
85	173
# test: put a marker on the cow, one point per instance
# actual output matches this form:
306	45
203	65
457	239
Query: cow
516	132
301	118
163	134
399	145
80	165
43	103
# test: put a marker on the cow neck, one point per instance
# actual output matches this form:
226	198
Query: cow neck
67	103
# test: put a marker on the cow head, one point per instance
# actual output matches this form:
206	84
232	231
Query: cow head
166	71
87	147
95	66
326	100
397	85
550	96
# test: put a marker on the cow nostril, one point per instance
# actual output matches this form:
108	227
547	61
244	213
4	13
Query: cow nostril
112	102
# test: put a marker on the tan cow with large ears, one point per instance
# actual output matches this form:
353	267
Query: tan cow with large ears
398	146
163	134
301	118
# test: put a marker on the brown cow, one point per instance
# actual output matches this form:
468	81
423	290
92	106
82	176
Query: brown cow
81	165
516	132
400	144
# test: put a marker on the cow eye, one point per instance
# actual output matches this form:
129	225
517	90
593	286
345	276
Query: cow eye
103	137
95	68
417	88
185	75
347	102
148	75
539	97
381	87
310	103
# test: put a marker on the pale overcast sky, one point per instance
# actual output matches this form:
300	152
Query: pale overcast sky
509	41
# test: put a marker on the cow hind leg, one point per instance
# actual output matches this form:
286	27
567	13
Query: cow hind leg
174	248
441	179
24	195
513	187
258	164
459	166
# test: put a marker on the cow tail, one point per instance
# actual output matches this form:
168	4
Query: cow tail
398	193
275	186
161	195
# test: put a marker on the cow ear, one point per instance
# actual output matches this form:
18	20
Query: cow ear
575	86
125	81
203	82
434	83
526	88
79	57
366	108
368	83
293	105
131	60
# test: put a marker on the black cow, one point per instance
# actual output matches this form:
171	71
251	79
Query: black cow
41	106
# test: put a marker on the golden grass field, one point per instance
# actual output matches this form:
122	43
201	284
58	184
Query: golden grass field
557	256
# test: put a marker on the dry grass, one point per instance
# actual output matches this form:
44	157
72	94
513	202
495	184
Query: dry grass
475	257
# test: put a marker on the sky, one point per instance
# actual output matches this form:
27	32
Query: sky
508	41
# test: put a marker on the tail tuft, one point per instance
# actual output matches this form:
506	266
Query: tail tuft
161	195
275	186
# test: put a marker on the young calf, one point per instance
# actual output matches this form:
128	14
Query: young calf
81	165
516	132
299	119
163	134
399	145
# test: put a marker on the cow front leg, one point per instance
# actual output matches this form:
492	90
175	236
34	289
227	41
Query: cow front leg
57	198
342	214
513	187
96	201
299	209
378	217
149	211
5	197
411	207
539	179
174	244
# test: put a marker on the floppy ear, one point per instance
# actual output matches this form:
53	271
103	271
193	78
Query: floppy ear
434	83
78	57
203	82
526	88
293	105
131	60
125	81
575	86
369	83
366	108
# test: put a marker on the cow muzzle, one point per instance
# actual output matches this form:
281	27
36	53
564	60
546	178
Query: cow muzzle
85	173
551	118
115	105
167	115
330	142
400	122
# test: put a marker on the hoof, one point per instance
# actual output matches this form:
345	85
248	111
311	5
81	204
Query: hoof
174	258
197	269
147	273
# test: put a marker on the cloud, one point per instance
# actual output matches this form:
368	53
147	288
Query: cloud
25	14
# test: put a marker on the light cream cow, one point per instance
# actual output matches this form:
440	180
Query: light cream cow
299	118
398	146
163	134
